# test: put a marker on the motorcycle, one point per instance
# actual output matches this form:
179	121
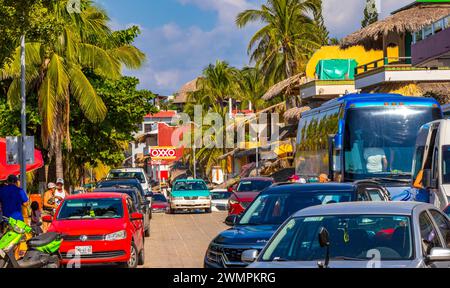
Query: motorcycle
42	252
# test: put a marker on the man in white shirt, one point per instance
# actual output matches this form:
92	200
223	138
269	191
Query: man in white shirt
376	160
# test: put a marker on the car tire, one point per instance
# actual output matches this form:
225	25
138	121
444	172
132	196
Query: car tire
134	258
141	258
208	210
147	232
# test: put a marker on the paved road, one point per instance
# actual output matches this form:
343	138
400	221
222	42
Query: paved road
181	240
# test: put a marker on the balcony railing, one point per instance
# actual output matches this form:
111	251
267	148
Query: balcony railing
397	63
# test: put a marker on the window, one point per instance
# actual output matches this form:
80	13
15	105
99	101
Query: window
418	35
131	207
428	234
91	209
375	194
147	128
443	225
362	195
438	26
446	164
428	31
447	22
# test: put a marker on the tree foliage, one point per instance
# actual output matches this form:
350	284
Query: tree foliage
370	13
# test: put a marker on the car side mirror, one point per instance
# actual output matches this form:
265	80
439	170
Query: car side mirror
249	256
136	216
47	219
231	220
324	238
439	255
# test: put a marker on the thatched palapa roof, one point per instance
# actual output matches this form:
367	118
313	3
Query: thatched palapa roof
409	19
295	113
288	86
181	96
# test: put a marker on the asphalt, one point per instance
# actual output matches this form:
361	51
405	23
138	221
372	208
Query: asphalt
181	240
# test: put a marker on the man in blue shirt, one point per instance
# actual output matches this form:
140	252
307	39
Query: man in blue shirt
12	198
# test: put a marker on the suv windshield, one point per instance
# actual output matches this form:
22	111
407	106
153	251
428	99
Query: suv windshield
121	175
90	209
253	185
187	186
276	208
352	237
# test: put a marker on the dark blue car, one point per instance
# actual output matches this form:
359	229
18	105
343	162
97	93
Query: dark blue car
257	224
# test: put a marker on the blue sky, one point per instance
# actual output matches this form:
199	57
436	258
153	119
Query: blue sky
181	37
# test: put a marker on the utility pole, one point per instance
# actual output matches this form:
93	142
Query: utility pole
23	118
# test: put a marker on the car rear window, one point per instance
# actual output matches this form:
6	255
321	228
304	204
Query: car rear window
90	209
119	174
253	185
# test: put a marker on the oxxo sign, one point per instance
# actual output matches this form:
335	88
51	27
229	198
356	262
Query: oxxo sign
162	153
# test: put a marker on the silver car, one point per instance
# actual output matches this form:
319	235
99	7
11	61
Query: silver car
359	235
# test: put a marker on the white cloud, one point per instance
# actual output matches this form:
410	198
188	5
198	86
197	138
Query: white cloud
179	54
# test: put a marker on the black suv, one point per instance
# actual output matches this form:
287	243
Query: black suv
129	182
141	204
256	225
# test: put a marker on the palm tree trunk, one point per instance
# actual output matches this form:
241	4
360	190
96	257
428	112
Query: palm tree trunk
59	161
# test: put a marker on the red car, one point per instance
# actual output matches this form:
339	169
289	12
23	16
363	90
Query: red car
159	203
99	228
246	191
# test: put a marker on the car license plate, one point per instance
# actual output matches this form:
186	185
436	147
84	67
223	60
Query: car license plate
83	250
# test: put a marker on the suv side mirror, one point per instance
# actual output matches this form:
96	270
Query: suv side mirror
249	256
136	216
231	220
439	255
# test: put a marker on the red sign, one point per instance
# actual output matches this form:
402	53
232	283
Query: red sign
163	153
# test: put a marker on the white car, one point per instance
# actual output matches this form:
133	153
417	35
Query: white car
219	200
137	173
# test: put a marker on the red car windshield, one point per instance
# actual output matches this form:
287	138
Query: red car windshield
253	185
90	209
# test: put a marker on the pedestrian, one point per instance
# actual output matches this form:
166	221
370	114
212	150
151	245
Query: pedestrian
60	192
13	198
36	222
49	203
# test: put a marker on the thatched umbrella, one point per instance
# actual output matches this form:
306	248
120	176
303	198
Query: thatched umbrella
181	96
295	113
410	19
287	87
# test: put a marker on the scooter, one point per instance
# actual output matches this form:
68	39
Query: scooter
43	250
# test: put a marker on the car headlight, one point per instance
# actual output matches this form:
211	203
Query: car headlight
116	236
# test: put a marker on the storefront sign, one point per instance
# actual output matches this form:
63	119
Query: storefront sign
162	153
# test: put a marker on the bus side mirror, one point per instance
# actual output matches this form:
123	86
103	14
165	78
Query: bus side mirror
427	181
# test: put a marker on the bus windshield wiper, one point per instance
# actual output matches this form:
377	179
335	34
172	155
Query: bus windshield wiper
391	179
348	258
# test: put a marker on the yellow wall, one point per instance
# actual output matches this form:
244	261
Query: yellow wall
358	53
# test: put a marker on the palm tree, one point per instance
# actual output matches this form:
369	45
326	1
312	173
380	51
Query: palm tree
251	88
292	30
56	72
217	84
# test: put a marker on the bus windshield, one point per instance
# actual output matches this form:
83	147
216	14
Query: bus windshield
380	141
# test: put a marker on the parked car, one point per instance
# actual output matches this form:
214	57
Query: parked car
246	191
137	173
140	204
356	235
130	182
99	228
160	203
271	208
219	199
190	194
